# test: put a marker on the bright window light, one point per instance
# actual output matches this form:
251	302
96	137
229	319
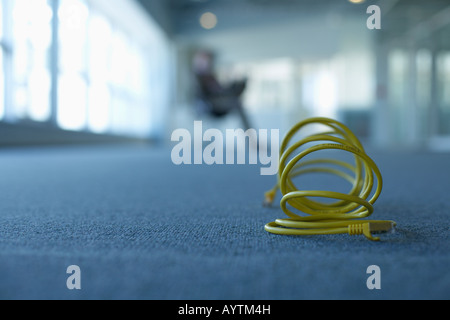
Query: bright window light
1	19
2	73
21	13
120	59
32	35
73	16
39	87
32	22
2	86
40	23
99	108
135	84
20	100
424	63
443	74
100	34
398	71
112	70
21	61
120	115
142	120
72	97
325	94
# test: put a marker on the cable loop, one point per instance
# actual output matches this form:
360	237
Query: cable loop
323	217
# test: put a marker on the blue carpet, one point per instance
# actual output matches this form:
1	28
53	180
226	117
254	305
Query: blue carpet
140	227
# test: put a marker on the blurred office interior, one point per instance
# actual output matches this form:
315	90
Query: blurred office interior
98	70
92	90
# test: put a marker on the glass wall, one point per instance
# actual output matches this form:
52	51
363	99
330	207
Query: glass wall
32	35
73	18
76	66
443	92
423	89
398	63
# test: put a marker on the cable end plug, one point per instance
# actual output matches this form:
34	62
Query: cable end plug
269	197
368	228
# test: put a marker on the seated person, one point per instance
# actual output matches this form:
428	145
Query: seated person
220	100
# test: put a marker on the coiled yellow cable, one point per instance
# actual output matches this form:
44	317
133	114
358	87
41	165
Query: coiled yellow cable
324	217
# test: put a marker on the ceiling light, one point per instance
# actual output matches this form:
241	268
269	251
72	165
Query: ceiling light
208	20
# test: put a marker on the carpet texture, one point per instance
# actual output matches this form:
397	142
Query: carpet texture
140	227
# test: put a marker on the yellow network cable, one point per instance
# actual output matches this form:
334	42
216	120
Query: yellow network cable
341	216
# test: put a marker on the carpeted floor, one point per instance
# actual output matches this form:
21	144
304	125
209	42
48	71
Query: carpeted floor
140	227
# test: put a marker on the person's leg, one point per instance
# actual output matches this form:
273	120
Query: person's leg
237	88
244	117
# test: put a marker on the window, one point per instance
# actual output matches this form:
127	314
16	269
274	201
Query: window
398	73
72	84
423	83
102	82
2	87
82	65
423	88
32	39
72	97
443	92
2	73
99	95
1	16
